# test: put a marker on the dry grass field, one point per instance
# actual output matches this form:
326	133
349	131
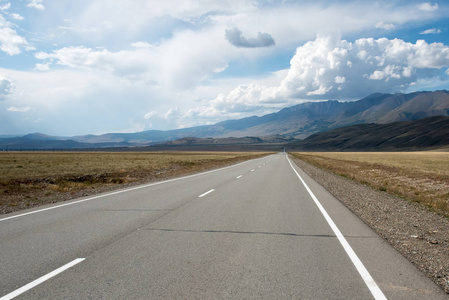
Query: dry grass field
28	179
416	176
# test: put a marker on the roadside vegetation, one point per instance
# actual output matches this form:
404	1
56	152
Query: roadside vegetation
29	179
421	177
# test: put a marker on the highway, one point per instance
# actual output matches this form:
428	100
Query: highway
261	229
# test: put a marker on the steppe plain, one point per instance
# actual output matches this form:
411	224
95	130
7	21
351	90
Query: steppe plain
31	179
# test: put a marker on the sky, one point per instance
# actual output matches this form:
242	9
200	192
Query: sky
95	66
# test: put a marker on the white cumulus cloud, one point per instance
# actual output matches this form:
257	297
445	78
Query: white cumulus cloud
368	65
172	113
18	109
5	6
123	63
340	79
427	6
150	114
6	87
17	17
42	67
431	31
332	68
10	41
37	4
386	26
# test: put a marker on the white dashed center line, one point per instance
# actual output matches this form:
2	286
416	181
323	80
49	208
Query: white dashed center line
208	192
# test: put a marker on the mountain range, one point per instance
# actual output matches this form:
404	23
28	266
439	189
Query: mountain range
423	134
298	122
302	120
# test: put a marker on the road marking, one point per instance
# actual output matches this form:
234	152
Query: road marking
253	170
240	176
41	279
122	191
369	281
208	192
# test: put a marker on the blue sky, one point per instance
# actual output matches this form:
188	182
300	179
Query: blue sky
93	66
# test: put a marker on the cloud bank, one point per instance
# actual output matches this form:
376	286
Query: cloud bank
332	68
335	68
170	64
235	37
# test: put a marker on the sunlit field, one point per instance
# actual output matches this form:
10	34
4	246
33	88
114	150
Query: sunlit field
416	176
30	179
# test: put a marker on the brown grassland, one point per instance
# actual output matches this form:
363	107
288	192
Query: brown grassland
29	179
421	177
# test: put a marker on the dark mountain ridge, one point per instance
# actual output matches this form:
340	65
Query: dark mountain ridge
427	133
304	119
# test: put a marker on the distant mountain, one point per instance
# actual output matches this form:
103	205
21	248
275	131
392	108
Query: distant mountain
152	136
427	133
277	139
266	143
38	141
25	143
41	137
302	120
299	122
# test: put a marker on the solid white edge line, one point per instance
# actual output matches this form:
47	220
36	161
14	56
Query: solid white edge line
369	281
41	279
123	191
208	192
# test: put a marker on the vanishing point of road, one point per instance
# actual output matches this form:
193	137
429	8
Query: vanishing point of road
261	229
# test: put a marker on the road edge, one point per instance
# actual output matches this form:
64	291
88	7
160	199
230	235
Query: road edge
408	239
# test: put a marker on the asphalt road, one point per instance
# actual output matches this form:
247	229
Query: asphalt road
249	231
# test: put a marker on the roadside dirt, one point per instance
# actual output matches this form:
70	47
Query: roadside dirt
418	234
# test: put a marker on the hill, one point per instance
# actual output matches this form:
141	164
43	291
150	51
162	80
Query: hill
40	142
266	143
423	134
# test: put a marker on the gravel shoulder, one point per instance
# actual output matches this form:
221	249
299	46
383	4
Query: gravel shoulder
420	235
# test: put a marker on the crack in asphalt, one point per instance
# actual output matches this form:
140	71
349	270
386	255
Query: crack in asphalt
250	232
238	232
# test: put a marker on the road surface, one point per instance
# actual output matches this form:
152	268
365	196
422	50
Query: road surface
261	229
